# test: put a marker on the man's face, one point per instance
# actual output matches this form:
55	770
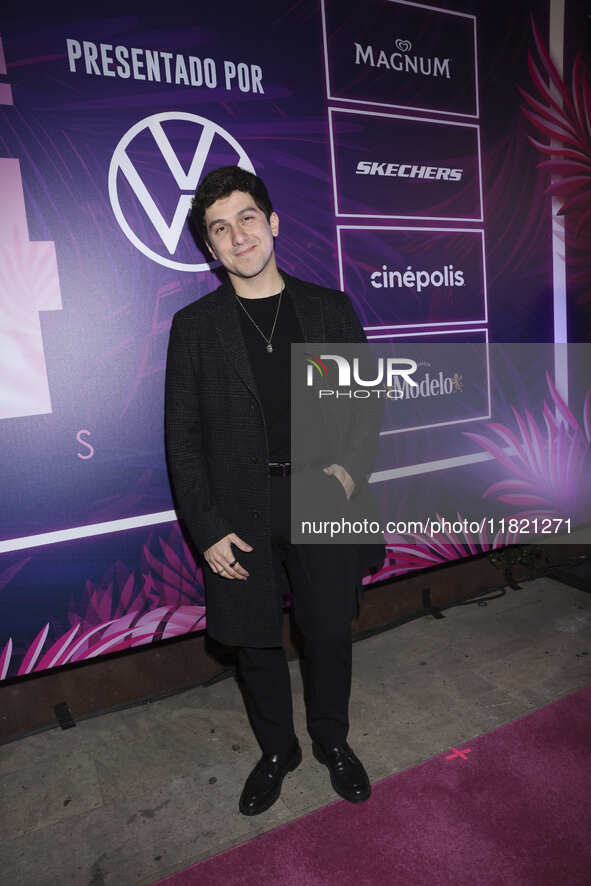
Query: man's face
239	235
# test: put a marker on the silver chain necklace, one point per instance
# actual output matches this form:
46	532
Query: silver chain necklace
257	327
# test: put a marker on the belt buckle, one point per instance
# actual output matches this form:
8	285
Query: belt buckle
283	465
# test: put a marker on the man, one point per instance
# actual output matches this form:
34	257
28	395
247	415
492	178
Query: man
228	444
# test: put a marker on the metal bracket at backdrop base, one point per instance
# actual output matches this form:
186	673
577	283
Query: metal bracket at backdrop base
509	580
428	607
63	715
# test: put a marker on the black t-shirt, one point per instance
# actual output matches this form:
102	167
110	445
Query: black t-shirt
272	371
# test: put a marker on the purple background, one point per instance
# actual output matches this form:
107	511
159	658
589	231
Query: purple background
105	349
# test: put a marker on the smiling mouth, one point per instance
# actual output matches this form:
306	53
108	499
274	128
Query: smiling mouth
245	251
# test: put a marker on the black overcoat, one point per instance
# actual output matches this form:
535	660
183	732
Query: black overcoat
217	450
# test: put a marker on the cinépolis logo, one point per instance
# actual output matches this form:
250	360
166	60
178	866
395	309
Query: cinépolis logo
402	60
408	278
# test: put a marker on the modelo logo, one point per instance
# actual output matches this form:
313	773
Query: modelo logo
186	182
436	385
408	170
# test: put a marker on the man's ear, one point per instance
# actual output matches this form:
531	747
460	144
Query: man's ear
274	223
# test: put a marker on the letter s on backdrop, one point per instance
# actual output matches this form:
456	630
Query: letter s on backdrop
84	443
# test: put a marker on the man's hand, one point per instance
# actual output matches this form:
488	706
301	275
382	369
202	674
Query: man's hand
221	557
343	475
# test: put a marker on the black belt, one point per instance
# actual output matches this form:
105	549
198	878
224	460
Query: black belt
279	468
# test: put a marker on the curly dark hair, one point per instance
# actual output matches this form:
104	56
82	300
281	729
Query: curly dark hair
220	183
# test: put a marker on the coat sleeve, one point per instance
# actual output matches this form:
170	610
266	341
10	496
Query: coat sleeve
186	456
365	416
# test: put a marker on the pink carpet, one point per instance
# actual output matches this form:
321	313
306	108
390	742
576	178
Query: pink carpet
513	809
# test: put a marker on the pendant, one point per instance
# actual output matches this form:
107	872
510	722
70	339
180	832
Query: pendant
269	348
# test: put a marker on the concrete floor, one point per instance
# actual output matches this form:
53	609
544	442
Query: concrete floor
129	797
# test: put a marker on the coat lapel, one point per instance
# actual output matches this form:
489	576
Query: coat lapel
227	323
307	306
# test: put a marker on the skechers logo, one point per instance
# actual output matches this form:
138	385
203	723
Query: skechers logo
409	170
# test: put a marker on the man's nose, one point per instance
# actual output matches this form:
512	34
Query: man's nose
238	235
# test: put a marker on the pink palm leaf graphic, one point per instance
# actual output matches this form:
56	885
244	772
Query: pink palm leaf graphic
420	550
565	117
547	476
118	614
113	635
8	574
177	577
547	472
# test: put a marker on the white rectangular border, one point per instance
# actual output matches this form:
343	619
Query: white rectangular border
454	323
88	531
336	98
556	40
556	45
475	126
442	424
560	376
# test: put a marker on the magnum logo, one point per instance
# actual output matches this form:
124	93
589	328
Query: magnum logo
401	61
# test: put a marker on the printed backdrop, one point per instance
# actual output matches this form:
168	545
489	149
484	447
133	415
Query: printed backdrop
412	153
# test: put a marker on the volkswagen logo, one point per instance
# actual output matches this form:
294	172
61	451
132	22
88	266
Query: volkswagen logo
136	173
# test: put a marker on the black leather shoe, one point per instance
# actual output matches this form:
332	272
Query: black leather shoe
263	785
347	775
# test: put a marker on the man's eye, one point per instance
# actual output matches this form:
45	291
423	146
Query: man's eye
219	229
247	217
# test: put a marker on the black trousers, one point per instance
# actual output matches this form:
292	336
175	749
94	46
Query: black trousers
322	580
